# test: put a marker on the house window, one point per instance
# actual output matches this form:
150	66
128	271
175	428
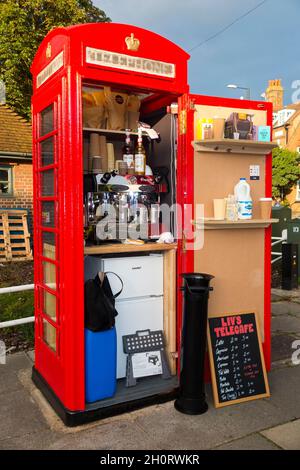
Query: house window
298	191
6	187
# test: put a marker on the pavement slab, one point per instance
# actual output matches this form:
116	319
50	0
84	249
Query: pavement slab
295	309
284	386
282	346
8	372
19	415
282	308
28	421
30	441
117	435
280	294
173	430
286	323
254	442
286	435
30	355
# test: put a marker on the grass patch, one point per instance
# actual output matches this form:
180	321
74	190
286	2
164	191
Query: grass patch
12	307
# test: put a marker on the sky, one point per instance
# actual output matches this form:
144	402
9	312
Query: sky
261	46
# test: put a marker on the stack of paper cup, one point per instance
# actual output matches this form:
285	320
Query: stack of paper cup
94	150
103	152
97	165
85	155
110	157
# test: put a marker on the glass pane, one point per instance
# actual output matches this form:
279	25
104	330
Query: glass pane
50	305
48	214
49	335
49	275
49	248
47	152
3	175
5	180
4	188
47	183
47	124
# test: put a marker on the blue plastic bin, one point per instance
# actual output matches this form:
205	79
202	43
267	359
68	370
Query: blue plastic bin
100	364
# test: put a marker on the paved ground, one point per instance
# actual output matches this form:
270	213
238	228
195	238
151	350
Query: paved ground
28	422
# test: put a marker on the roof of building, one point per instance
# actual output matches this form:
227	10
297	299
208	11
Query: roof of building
296	107
293	106
15	132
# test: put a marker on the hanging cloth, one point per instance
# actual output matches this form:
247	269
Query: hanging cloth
99	303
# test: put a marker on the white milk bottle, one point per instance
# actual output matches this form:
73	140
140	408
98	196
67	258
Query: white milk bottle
244	200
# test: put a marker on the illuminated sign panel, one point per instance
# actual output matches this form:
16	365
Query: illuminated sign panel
128	62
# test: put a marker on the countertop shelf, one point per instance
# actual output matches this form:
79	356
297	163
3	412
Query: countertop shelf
234	146
212	224
107	131
116	248
111	132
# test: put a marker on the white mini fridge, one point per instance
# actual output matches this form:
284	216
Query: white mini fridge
140	305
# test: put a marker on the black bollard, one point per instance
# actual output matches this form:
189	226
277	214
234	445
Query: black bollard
191	398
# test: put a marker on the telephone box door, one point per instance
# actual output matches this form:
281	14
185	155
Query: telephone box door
46	163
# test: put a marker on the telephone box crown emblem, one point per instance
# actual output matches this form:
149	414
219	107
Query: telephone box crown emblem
132	43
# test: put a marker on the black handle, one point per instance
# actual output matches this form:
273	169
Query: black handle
122	283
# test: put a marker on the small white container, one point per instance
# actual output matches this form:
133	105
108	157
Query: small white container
243	196
231	208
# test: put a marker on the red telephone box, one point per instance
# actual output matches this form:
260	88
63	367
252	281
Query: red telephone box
69	61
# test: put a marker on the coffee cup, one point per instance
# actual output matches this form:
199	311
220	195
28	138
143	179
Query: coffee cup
219	209
219	124
265	207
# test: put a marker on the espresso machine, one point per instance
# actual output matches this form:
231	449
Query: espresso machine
124	207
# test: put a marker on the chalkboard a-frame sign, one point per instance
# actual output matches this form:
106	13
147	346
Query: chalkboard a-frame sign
236	359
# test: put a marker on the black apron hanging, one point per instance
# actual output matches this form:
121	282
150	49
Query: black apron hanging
99	303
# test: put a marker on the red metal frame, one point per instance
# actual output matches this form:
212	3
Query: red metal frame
185	196
64	371
189	177
268	256
46	360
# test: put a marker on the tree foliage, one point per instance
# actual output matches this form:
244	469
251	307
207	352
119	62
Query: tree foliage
286	171
23	25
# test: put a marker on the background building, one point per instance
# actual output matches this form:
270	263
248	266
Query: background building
15	163
286	131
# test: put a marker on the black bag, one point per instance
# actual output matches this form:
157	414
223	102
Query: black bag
99	304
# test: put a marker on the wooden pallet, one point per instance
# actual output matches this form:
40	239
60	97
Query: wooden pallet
14	236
